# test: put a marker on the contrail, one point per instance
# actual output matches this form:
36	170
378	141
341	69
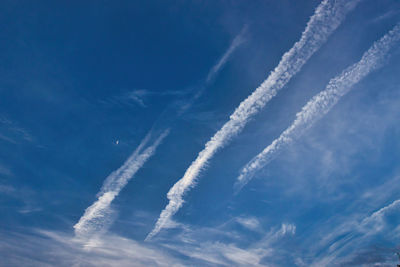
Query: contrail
97	216
112	179
237	41
327	17
320	104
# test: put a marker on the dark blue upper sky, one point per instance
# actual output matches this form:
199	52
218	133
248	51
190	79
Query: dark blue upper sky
83	82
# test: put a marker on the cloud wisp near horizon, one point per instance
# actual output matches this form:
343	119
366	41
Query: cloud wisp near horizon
98	216
320	104
327	17
355	232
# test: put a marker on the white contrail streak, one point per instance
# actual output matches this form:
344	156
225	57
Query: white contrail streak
320	104
327	17
110	182
96	215
237	41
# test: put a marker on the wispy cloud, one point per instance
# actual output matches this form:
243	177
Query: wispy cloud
327	17
140	97
193	246
387	15
26	197
5	170
250	223
368	221
197	243
11	132
287	228
98	216
320	104
355	233
47	248
6	189
373	223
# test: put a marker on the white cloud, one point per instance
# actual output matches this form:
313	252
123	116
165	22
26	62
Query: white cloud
249	223
287	229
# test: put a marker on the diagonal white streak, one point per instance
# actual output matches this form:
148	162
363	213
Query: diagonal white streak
377	216
327	17
96	215
320	104
110	182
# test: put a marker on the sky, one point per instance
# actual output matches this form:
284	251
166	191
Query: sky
200	133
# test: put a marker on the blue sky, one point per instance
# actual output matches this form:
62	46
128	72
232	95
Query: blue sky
131	135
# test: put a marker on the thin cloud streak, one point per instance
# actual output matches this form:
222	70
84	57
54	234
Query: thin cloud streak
320	104
377	218
99	215
327	17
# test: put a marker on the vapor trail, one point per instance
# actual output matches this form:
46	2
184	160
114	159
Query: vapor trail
237	41
320	104
96	215
327	17
111	180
